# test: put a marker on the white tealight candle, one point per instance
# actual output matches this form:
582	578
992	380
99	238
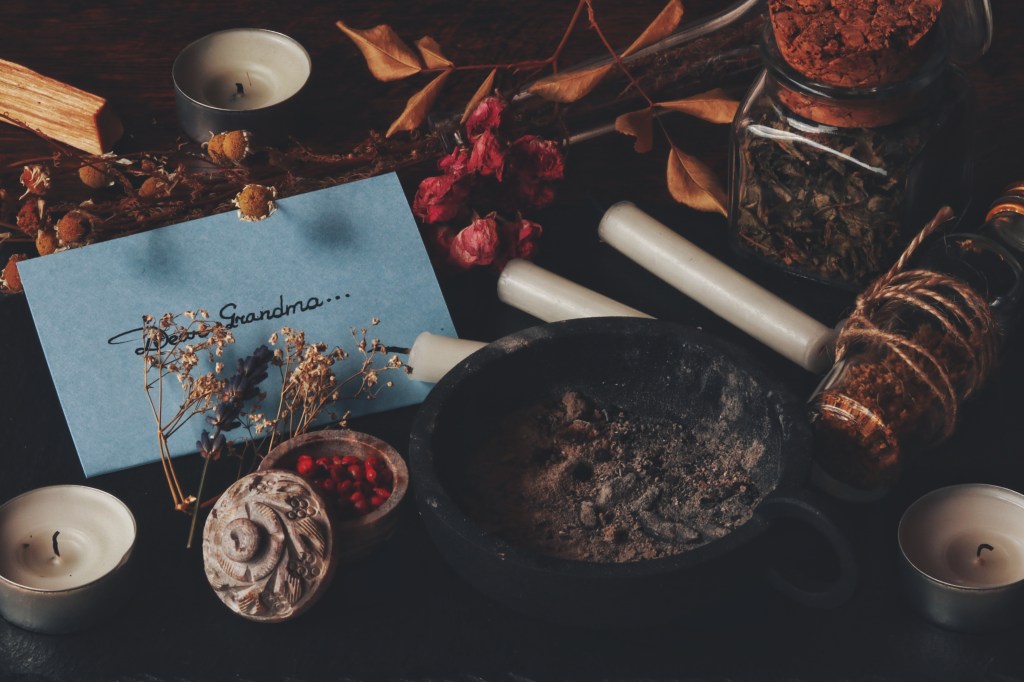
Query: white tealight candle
62	554
239	79
725	292
963	547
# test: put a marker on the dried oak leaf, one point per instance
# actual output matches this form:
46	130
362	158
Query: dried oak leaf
694	184
714	106
418	106
483	91
432	55
639	124
570	86
387	56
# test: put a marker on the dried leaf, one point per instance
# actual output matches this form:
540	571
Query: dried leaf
418	106
387	55
483	91
662	27
569	86
432	55
714	106
639	124
692	183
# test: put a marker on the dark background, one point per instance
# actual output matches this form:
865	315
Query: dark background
404	613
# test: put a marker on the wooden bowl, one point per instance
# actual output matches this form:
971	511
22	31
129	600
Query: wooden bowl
355	538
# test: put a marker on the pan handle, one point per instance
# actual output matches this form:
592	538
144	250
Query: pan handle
805	507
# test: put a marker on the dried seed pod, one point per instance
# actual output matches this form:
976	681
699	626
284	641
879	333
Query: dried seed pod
95	175
154	188
31	217
255	202
46	241
35	179
73	227
230	148
10	278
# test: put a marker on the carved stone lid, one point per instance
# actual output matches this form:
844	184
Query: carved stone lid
268	546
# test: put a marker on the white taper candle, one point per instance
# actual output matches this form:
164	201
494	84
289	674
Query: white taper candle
725	292
432	355
552	298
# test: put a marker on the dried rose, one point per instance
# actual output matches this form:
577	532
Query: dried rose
255	202
455	164
73	226
11	279
439	198
488	155
533	164
486	117
477	244
35	179
525	236
95	175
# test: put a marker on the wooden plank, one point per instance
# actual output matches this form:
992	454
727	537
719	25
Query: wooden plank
58	110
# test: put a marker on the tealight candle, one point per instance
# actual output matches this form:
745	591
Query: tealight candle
64	552
239	79
725	292
963	556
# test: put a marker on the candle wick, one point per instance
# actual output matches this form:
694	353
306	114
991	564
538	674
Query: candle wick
249	78
239	90
56	549
984	546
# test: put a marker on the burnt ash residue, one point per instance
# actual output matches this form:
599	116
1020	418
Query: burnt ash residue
578	480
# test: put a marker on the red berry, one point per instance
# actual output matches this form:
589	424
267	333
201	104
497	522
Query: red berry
356	496
362	507
336	459
305	466
356	471
344	487
329	484
376	501
371	474
374	461
323	462
349	460
382	493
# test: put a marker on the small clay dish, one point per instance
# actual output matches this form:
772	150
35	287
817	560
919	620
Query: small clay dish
355	537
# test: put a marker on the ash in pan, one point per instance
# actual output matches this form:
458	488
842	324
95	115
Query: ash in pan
582	481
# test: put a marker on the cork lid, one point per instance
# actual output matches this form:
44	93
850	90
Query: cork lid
268	546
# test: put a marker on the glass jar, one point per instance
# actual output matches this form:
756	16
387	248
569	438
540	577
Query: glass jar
831	182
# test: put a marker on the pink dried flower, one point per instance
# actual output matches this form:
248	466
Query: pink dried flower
533	164
476	244
455	164
486	117
525	236
488	155
439	198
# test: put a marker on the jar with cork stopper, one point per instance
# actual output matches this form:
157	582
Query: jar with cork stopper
919	342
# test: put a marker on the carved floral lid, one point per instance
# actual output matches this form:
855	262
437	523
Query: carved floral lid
268	546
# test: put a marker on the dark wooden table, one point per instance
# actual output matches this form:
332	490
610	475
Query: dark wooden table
404	613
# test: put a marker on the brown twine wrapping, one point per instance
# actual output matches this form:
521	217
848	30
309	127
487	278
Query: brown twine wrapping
954	307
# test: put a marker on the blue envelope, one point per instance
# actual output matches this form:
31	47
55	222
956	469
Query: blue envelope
326	262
